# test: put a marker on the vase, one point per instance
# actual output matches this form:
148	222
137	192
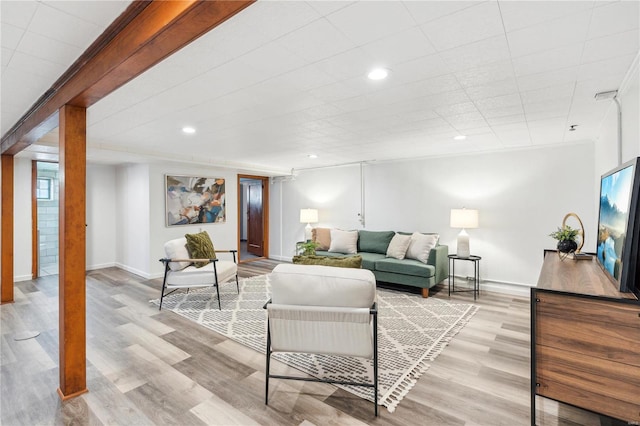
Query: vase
567	246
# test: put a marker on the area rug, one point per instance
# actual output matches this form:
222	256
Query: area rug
412	331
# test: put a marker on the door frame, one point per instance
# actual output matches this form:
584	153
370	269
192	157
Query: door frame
265	216
35	240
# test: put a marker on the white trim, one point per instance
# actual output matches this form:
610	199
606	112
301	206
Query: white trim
505	287
134	271
281	258
18	278
101	266
513	289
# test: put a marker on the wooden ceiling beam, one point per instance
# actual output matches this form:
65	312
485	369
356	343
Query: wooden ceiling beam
145	34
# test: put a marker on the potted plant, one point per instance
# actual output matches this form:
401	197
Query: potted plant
566	237
308	248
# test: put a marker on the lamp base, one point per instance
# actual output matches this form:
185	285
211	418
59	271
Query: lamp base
463	245
307	232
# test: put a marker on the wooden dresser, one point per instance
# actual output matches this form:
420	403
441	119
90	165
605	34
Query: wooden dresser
585	340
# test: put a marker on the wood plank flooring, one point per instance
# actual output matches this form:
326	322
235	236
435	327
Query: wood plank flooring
148	367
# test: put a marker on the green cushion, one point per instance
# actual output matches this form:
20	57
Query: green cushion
405	267
374	241
200	247
369	259
342	262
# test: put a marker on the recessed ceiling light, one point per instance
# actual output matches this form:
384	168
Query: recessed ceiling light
378	74
188	130
459	138
312	156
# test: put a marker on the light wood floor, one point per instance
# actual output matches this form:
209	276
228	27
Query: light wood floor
149	367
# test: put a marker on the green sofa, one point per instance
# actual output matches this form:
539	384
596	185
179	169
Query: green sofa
372	246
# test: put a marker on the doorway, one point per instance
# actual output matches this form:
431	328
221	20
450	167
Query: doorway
253	218
45	212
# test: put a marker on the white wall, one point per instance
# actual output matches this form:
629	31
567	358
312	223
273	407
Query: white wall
132	218
22	219
101	209
125	216
606	144
223	235
521	196
335	192
101	216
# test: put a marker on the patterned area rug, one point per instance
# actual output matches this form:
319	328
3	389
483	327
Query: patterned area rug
412	331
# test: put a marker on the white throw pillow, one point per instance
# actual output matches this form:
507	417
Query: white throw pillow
398	246
344	241
421	245
177	249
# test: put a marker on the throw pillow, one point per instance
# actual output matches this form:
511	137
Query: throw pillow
341	262
398	246
321	236
374	241
421	245
344	241
200	247
177	249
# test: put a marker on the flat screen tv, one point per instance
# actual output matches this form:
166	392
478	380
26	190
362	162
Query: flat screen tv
618	246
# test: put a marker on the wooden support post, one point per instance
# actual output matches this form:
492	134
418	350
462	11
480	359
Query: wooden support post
72	246
6	283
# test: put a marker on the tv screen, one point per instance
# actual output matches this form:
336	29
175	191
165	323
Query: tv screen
619	226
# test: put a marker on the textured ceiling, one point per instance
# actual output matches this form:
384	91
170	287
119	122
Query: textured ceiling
285	79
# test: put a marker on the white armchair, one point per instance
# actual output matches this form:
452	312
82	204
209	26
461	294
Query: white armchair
179	271
322	310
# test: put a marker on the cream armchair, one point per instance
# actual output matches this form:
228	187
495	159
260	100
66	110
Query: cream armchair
179	271
322	310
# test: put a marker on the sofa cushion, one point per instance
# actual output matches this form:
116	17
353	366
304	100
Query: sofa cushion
201	277
369	259
405	267
344	241
200	247
177	249
341	262
421	245
322	237
374	241
398	246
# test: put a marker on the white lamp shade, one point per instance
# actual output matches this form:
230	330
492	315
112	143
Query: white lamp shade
308	215
464	218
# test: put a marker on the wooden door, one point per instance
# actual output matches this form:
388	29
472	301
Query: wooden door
255	219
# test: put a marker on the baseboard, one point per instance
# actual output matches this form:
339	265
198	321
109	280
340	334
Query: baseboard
101	266
505	287
134	271
281	258
17	278
513	289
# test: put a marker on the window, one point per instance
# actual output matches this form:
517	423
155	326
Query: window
43	189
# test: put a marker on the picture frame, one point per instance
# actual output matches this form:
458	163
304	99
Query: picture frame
618	242
191	200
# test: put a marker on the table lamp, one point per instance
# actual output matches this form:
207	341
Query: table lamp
465	219
308	216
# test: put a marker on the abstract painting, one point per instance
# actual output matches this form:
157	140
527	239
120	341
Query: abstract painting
191	200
